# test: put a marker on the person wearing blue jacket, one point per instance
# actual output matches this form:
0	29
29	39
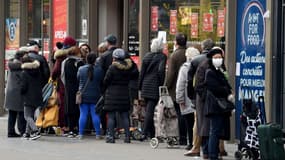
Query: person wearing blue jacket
93	75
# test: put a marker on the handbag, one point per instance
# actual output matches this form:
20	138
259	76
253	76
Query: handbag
99	105
78	97
49	114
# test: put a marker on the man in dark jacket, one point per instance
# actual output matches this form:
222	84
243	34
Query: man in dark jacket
177	58
106	59
34	48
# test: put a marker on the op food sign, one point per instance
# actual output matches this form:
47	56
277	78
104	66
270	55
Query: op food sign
250	53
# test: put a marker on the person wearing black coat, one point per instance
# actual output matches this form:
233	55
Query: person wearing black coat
32	94
151	77
217	84
116	86
13	98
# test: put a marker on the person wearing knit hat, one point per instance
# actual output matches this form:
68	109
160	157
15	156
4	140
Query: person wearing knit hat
215	50
185	104
68	42
119	54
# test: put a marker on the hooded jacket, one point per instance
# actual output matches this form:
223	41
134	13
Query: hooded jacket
31	88
116	85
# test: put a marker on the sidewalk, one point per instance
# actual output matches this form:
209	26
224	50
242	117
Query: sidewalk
89	148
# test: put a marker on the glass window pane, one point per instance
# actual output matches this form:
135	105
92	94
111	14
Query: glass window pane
34	18
82	20
133	26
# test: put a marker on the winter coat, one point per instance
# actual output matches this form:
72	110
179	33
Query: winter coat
13	97
59	57
192	71
217	84
176	60
44	68
203	123
70	69
92	91
152	75
106	59
181	89
116	85
31	84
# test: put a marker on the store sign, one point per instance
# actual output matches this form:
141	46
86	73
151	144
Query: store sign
173	22
133	44
154	18
59	21
208	22
221	23
194	25
250	58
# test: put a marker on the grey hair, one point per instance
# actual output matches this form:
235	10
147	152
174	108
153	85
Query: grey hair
207	44
156	45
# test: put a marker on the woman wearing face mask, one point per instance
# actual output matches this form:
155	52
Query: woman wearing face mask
216	82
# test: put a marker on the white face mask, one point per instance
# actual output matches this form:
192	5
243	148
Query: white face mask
217	62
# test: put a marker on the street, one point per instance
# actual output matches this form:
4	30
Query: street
50	147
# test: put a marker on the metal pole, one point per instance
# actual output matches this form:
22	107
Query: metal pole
2	56
42	26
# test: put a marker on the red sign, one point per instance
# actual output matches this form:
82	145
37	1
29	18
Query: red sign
221	23
59	20
154	18
208	22
173	22
136	59
194	25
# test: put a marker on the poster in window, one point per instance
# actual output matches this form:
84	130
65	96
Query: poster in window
185	14
194	25
173	22
59	20
221	23
208	22
154	18
12	33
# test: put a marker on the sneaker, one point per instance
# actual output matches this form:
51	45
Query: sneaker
110	140
80	137
35	135
26	136
71	134
98	137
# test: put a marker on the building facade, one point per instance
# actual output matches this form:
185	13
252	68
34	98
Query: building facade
136	22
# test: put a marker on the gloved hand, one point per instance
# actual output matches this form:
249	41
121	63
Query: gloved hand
231	98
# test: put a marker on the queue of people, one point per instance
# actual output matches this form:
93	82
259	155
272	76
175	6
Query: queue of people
110	72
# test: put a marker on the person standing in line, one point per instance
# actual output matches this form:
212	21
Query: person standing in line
31	91
152	76
197	70
34	48
116	86
105	61
186	105
13	98
90	75
217	84
69	71
177	58
84	49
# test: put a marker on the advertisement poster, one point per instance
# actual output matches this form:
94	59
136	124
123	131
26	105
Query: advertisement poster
185	14
173	22
221	23
12	38
208	22
194	25
250	53
154	18
59	21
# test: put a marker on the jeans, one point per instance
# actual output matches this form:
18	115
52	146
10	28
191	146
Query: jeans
29	116
111	123
84	110
149	129
216	126
21	122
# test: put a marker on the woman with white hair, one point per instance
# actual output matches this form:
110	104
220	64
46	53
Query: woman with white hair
186	105
151	77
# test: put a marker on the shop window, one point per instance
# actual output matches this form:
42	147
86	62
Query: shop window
199	19
133	27
82	21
